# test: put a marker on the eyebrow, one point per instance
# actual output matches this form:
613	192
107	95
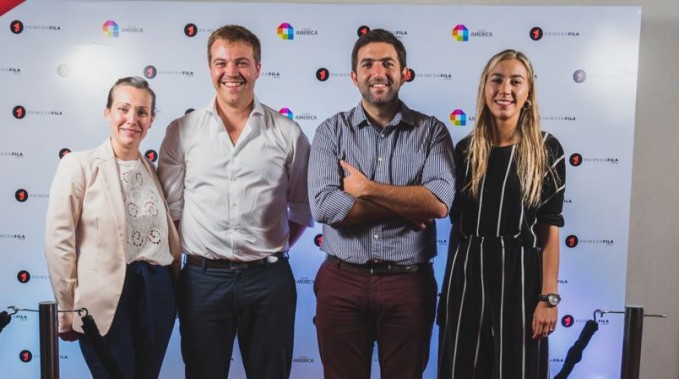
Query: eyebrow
386	59
511	76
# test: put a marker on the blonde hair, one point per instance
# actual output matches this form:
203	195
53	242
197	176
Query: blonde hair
530	155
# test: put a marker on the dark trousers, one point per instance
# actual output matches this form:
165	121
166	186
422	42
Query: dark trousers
355	309
257	304
142	324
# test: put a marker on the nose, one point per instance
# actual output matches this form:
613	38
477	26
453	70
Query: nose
505	87
231	68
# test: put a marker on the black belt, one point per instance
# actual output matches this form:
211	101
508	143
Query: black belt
377	268
195	260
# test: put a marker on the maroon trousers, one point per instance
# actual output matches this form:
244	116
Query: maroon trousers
356	309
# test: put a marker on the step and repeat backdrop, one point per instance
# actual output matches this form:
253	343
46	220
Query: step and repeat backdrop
59	58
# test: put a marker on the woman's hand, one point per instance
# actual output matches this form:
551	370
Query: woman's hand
544	320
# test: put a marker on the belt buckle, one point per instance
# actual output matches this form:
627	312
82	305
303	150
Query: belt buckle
238	266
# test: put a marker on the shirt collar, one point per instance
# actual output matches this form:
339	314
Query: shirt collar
403	116
257	109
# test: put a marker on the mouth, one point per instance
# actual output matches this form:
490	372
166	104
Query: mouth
382	84
233	82
130	131
503	102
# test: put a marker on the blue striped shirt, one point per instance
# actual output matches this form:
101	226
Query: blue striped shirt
413	149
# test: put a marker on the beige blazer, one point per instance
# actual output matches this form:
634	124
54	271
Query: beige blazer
85	236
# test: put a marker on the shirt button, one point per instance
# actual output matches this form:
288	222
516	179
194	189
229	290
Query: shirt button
376	236
233	205
379	159
382	135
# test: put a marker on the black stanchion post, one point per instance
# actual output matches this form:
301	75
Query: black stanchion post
49	347
631	348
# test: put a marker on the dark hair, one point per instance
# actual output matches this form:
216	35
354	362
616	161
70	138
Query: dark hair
378	35
235	33
136	82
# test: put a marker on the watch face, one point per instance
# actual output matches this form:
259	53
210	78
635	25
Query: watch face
553	299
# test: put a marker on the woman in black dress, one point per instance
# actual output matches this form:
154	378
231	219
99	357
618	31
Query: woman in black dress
499	298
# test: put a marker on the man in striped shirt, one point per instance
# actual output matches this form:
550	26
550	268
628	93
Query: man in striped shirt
379	174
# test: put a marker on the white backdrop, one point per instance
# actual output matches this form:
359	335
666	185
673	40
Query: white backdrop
58	59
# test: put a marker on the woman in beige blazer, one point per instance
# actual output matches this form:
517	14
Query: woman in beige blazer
110	244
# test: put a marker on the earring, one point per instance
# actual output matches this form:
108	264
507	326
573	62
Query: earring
527	105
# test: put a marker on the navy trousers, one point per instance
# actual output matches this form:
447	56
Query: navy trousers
142	324
257	304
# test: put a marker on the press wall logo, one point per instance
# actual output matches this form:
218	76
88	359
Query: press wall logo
306	116
410	75
21	195
287	113
12	154
151	155
303	359
567	118
25	356
460	33
13	236
572	241
567	321
537	33
151	71
17	27
11	70
271	74
63	152
458	117
23	276
318	240
362	30
323	74
190	30
305	280
110	29
577	159
285	31
20	112
579	76
399	33
434	75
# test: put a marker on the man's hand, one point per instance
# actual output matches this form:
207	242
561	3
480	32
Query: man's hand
354	182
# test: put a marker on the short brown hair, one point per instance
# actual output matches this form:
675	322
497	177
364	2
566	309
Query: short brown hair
235	33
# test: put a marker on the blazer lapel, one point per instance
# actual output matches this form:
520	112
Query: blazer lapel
109	171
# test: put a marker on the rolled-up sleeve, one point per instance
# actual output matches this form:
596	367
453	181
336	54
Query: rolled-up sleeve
298	191
438	175
329	203
172	169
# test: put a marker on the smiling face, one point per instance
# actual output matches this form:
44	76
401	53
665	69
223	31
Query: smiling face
378	74
130	117
506	90
234	70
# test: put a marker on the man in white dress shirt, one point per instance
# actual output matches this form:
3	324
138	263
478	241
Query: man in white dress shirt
235	176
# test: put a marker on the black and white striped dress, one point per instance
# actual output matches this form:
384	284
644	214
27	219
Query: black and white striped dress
493	275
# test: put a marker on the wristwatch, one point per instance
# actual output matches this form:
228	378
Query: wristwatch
553	299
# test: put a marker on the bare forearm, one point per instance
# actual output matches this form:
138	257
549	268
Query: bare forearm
364	212
410	202
549	236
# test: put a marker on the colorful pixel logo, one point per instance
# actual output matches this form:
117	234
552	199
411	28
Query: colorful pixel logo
286	31
287	113
461	33
458	118
110	29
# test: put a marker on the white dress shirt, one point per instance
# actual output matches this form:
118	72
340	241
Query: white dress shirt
234	201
